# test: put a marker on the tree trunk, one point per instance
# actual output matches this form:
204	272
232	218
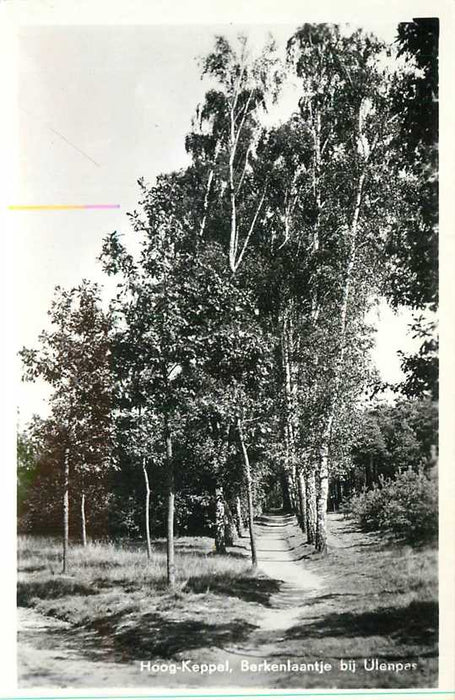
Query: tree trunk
292	493
249	490
287	508
302	508
239	517
147	509
323	473
220	532
336	495
322	494
234	232
66	506
372	479
229	527
375	470
289	396
83	521
170	507
311	507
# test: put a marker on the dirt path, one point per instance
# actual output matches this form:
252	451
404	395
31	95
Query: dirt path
281	546
281	549
48	648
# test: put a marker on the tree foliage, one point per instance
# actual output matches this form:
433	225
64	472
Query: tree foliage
236	353
413	245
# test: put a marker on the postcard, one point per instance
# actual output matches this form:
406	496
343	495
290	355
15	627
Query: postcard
227	265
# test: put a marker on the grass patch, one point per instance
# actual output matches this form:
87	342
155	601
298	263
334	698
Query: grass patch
379	600
118	599
101	564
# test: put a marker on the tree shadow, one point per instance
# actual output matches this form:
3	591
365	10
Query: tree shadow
310	555
233	554
329	597
417	623
348	528
154	636
236	546
103	564
252	590
376	546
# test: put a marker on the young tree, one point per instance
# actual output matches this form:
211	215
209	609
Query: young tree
157	345
74	357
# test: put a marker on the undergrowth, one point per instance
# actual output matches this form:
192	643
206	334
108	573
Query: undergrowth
406	506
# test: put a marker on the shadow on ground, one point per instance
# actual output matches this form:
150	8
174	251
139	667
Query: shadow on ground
417	623
155	636
253	590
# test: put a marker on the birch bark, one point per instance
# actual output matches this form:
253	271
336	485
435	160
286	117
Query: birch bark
83	521
66	505
324	450
249	489
147	508
170	506
220	532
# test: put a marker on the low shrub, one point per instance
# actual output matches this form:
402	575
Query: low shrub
406	505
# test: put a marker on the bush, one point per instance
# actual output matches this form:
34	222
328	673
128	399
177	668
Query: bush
407	506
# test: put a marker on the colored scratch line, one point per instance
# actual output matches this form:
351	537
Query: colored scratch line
56	207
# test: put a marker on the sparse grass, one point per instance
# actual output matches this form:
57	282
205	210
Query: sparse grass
99	565
380	601
121	595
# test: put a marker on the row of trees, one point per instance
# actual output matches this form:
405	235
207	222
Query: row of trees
235	352
388	440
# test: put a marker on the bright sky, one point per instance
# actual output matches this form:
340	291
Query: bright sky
99	107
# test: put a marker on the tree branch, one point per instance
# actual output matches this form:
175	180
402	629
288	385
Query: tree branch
253	223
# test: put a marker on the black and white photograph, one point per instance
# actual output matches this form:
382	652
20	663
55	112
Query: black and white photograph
226	405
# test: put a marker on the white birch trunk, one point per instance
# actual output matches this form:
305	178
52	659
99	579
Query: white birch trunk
66	506
147	509
311	506
170	550
289	398
302	503
324	450
239	516
83	521
220	532
249	489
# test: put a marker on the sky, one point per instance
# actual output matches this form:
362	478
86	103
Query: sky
98	108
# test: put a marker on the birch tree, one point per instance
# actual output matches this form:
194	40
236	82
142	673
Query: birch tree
224	140
345	107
